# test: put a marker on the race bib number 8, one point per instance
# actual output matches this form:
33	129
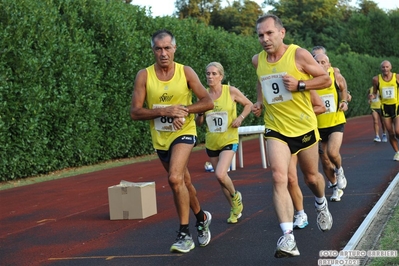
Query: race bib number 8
163	123
273	88
217	122
329	103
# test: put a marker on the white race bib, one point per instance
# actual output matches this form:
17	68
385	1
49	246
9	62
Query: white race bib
329	103
217	121
163	123
388	92
273	88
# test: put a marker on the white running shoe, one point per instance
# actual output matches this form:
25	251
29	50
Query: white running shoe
301	221
337	194
384	138
208	167
324	218
183	243
377	139
286	247
341	180
204	234
396	156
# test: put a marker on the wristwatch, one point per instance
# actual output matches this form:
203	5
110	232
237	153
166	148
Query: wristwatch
301	85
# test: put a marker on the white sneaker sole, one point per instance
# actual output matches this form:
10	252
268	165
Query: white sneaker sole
324	229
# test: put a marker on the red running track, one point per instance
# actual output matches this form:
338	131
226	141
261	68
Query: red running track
66	221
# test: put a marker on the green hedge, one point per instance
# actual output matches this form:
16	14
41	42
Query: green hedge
67	70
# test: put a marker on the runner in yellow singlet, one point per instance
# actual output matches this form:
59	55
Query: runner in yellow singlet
331	127
221	140
286	73
163	94
322	50
375	106
387	84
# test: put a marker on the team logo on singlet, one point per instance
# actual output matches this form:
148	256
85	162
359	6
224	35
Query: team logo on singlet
217	108
165	98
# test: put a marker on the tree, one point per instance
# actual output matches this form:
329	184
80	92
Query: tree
239	17
358	33
198	9
392	44
316	21
366	6
370	30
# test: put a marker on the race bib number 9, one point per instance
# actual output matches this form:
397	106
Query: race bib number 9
388	93
329	103
273	88
217	122
163	123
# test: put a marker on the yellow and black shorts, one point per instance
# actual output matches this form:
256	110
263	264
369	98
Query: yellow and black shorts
389	110
295	144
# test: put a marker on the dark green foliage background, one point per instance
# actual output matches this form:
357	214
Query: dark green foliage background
67	70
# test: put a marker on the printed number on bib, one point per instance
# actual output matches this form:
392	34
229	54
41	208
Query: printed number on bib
329	103
273	88
217	122
163	123
388	93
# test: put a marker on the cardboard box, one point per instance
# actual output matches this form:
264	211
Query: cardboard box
129	200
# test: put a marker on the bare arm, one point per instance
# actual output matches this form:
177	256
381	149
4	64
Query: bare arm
337	72
369	94
257	107
306	64
204	102
343	105
317	103
375	87
199	119
240	98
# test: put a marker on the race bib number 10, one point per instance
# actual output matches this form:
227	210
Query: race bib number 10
217	122
163	123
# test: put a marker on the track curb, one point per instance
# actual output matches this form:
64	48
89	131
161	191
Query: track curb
355	242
